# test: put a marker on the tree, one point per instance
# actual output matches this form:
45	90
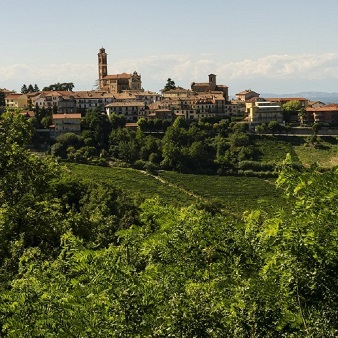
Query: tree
30	88
24	89
100	125
47	121
169	85
117	121
2	99
67	86
274	127
291	108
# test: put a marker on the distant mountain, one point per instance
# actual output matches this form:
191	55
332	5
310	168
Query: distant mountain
312	96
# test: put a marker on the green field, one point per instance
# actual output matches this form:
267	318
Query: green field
234	194
325	153
133	182
274	149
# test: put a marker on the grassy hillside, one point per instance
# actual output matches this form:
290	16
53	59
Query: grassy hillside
274	149
132	181
324	150
235	194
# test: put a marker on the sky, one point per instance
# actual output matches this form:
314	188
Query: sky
268	46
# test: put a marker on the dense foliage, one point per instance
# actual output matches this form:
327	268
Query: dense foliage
209	147
29	89
67	86
83	259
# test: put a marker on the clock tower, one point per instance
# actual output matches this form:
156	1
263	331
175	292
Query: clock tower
102	62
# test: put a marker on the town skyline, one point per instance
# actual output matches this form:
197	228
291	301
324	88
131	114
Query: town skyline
284	48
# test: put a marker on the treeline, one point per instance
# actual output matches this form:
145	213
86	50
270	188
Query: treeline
66	86
211	146
29	89
83	259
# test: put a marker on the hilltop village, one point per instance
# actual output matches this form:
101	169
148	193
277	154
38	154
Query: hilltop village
123	95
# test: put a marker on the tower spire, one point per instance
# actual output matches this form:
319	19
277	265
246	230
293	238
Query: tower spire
103	66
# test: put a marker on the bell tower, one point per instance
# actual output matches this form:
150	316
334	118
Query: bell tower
212	81
102	63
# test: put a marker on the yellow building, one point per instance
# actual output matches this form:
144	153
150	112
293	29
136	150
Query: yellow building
14	100
264	112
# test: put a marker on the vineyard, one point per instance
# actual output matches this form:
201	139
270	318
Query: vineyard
233	193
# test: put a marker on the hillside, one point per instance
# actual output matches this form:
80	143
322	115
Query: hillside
234	194
303	150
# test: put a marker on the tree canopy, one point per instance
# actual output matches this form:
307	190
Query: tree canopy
67	86
169	85
82	258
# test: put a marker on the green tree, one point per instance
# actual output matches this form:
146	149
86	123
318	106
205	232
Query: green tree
24	89
290	109
117	121
100	125
274	127
2	99
175	138
169	85
67	86
30	88
47	121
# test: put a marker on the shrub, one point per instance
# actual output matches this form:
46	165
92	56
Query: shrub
256	166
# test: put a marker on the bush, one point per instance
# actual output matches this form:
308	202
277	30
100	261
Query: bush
256	166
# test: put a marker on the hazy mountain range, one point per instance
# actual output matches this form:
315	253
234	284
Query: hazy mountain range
312	96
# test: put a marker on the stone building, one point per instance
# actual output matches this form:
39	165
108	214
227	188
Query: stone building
116	83
210	86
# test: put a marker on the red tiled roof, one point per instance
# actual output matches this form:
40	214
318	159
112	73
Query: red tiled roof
13	96
119	76
66	116
328	108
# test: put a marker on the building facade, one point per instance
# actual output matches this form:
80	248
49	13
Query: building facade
210	86
65	123
264	112
115	83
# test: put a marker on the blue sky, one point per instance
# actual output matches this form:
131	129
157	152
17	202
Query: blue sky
265	45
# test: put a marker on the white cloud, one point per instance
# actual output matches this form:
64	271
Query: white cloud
183	69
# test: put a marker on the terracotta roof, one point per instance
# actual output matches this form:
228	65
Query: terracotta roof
13	96
177	90
327	108
93	94
56	93
66	116
247	91
200	84
119	76
124	104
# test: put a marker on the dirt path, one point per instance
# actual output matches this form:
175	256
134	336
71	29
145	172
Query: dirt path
163	181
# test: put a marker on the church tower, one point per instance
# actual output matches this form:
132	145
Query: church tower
212	82
102	62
